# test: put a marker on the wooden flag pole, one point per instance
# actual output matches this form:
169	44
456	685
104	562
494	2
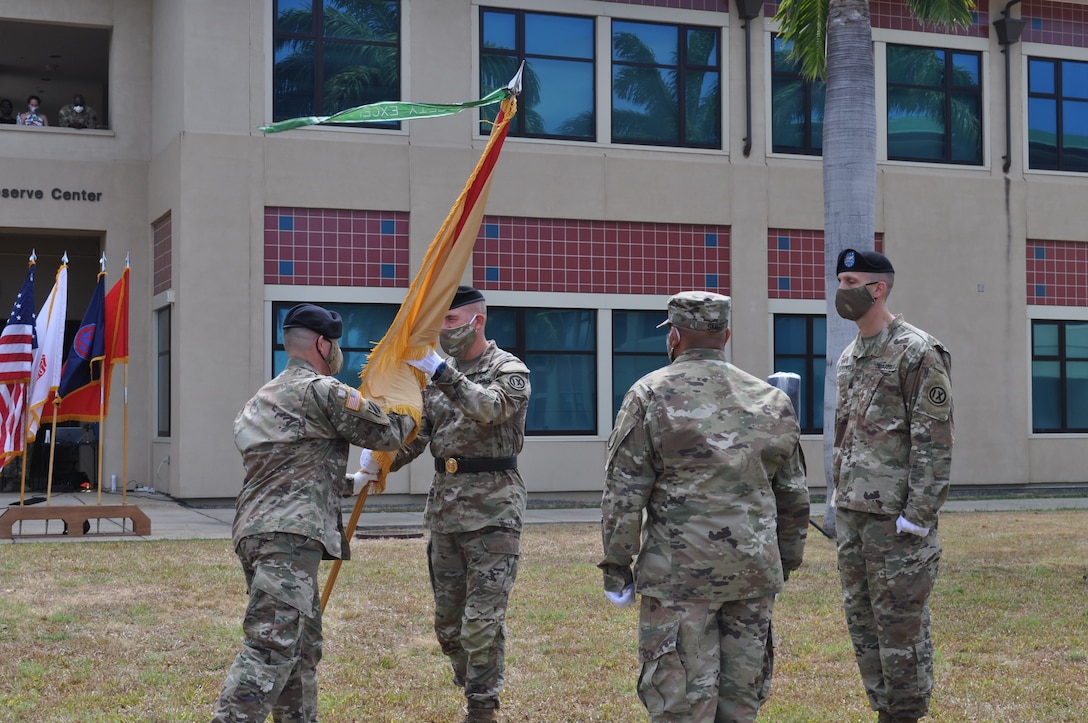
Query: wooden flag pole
124	462
52	452
353	522
102	371
101	433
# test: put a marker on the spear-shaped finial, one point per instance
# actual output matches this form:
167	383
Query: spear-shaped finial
514	86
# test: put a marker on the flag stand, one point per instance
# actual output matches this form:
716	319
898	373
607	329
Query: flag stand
77	518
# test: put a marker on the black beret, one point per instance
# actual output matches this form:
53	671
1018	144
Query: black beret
869	262
315	318
465	295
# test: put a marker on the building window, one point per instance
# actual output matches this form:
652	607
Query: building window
331	55
364	327
1057	115
1059	376
934	105
666	85
797	106
55	60
558	89
638	348
800	347
162	371
560	348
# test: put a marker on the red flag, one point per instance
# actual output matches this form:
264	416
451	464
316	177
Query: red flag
117	321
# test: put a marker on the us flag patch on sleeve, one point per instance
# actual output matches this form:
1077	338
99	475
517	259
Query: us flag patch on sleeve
354	401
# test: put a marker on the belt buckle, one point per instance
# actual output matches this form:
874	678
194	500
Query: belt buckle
451	465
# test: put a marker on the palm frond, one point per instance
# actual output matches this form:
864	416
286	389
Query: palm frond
943	13
803	27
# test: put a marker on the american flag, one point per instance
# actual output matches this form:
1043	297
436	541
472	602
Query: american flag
17	344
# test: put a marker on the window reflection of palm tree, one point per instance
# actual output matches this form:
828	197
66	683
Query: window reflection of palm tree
495	72
355	73
923	67
788	103
654	92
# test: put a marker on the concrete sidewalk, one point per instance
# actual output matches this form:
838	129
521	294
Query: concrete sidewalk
174	520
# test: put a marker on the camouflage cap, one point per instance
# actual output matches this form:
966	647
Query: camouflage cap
699	311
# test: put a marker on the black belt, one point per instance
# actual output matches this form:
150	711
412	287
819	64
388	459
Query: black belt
461	465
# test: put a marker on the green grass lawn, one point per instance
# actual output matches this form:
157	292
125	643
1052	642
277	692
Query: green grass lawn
145	631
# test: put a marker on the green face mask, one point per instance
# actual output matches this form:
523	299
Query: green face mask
457	341
854	303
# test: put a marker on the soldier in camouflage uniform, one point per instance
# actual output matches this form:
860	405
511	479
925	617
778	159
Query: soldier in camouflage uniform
711	455
294	436
78	115
893	451
474	421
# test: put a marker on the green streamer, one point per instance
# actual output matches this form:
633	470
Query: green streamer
388	110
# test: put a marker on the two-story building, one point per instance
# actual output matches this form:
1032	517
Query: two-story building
660	145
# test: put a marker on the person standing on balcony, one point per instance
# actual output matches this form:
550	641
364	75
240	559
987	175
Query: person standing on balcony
32	116
77	114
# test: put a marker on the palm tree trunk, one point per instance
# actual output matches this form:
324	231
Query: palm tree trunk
849	174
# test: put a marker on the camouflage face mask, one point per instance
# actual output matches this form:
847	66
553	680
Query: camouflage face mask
335	360
457	341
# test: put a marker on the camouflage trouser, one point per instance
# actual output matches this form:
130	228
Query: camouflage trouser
886	582
276	672
472	574
705	661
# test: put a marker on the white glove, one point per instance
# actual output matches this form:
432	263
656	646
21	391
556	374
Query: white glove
360	481
427	364
368	471
367	463
904	525
621	599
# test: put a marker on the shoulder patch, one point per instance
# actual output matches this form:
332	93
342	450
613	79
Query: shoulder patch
352	402
513	374
935	398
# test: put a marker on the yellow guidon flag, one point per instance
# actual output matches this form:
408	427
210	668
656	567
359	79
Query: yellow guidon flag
386	379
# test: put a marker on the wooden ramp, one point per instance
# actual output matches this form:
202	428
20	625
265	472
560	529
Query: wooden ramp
73	520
